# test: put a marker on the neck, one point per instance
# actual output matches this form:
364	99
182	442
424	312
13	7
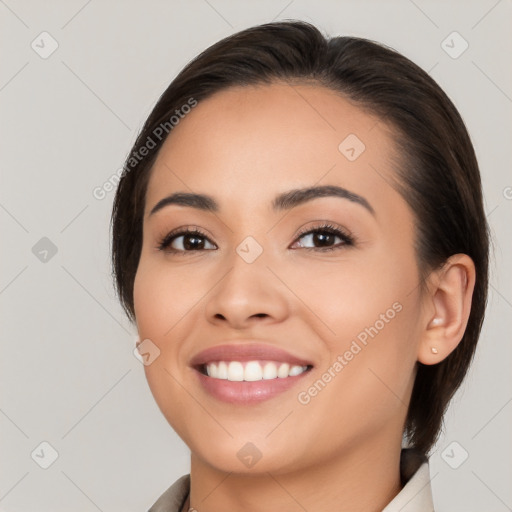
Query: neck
354	480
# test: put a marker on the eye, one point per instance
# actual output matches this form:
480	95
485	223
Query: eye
185	240
324	236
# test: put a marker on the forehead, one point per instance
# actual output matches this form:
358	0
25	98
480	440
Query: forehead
246	143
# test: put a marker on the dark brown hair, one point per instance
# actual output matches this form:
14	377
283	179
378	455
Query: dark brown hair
437	171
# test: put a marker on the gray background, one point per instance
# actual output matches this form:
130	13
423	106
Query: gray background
68	374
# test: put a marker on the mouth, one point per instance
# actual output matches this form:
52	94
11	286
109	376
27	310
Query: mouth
247	374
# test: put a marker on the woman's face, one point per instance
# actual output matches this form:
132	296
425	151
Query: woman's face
341	301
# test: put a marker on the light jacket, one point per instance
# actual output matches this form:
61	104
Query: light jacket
415	496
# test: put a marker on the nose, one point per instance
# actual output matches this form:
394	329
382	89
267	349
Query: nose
246	295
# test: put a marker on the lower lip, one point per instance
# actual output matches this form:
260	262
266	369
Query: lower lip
245	392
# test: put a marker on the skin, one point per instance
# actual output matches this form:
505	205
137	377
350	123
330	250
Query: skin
340	451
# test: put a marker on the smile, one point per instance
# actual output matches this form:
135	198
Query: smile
246	372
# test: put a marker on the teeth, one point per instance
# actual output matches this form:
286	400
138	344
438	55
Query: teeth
235	371
295	370
252	370
283	370
222	370
270	371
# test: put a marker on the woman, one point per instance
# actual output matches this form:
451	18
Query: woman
300	239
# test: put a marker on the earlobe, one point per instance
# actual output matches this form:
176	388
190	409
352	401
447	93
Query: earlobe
450	294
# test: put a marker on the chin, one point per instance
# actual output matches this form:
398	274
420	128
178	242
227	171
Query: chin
243	457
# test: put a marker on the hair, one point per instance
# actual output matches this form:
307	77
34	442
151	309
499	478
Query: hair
436	169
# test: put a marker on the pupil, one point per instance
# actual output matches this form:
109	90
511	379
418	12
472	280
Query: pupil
323	238
192	245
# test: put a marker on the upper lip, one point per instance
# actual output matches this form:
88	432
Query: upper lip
247	352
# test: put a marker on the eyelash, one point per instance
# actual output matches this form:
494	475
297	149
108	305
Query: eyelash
347	240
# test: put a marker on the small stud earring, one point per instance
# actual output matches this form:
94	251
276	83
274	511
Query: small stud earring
436	321
434	350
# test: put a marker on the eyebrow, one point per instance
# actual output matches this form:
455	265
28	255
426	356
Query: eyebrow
284	201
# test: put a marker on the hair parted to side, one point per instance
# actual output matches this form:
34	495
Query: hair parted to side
437	171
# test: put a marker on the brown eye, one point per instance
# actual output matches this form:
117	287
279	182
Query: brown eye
185	241
325	238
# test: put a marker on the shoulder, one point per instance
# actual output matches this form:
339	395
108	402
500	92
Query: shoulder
416	493
173	498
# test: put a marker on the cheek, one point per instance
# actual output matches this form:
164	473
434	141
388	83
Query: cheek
374	291
163	294
376	337
368	310
366	380
161	302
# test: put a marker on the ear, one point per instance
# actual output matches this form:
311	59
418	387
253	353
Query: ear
448	304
